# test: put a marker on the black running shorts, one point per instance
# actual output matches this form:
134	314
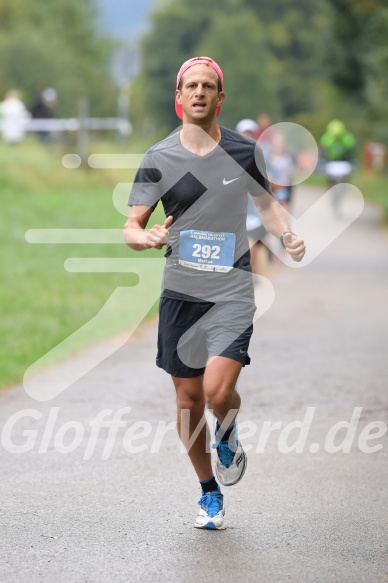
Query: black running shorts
191	332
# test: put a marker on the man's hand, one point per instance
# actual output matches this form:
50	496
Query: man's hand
158	235
295	246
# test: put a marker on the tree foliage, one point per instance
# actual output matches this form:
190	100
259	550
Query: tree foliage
249	88
357	59
376	86
296	59
347	46
293	35
55	43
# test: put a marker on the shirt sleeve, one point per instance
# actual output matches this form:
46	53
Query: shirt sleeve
146	186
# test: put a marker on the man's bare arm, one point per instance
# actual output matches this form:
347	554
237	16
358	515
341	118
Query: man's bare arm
274	219
135	234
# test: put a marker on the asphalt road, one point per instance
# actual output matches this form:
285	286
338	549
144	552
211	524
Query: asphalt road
319	354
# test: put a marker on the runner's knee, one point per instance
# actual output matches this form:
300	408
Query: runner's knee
189	395
219	396
193	404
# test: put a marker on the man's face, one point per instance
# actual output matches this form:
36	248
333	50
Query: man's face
199	96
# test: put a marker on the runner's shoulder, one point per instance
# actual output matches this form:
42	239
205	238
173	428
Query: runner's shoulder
171	141
234	139
231	135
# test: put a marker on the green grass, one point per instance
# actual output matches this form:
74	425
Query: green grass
374	188
41	303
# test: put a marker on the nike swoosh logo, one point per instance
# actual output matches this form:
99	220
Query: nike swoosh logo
243	351
225	182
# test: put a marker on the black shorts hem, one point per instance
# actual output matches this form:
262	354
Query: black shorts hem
188	374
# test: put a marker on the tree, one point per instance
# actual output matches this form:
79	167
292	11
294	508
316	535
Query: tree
55	43
294	32
239	45
300	60
347	46
357	61
376	76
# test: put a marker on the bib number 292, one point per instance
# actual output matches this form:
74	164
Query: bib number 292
206	251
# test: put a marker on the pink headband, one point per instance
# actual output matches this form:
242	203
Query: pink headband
197	61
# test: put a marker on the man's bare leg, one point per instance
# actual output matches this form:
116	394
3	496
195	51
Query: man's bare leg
190	397
219	385
217	388
222	397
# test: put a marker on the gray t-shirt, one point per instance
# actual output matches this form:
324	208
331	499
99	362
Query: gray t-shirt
207	257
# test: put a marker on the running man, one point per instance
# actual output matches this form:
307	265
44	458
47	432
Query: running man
202	174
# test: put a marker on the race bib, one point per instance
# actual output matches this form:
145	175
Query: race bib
207	251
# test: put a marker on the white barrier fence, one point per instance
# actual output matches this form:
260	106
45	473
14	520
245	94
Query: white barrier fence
82	126
121	125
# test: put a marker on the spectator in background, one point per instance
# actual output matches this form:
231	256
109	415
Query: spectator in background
14	116
264	134
43	107
338	151
255	228
281	168
337	143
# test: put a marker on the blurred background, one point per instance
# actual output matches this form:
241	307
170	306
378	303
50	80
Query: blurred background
98	76
296	60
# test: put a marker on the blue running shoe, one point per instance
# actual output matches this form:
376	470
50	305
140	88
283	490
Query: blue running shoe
211	513
231	460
